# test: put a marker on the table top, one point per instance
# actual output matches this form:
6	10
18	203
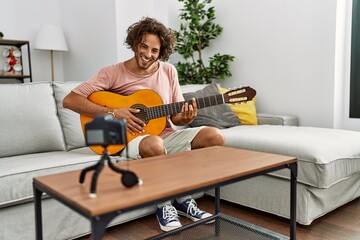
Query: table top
163	176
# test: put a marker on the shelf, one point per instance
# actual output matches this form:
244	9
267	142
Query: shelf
16	43
14	76
225	227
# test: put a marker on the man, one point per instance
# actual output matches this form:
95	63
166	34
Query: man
152	44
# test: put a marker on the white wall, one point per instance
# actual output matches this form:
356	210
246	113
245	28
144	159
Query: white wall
285	50
90	27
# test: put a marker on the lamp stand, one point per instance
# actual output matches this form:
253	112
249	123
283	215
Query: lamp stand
52	64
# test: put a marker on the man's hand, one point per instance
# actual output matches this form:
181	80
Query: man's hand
187	114
133	124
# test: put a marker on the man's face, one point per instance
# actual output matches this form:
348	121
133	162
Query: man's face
148	51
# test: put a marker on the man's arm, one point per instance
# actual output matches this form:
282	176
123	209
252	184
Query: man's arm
83	106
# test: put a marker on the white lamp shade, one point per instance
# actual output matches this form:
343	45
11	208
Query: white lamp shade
51	37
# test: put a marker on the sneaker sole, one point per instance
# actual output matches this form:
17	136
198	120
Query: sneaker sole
167	229
193	218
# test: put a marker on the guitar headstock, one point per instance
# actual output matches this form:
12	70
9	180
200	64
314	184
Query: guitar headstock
239	95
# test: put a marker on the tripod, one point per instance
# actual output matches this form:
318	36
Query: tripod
129	178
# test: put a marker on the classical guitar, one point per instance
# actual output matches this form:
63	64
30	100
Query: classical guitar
152	110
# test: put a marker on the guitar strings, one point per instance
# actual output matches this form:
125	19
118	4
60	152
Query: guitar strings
146	114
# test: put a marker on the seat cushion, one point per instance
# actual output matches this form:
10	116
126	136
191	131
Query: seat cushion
16	173
325	156
29	122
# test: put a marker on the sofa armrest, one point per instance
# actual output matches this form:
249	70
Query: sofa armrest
273	119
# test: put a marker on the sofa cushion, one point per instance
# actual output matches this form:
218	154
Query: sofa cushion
70	121
277	119
325	156
191	87
16	173
209	116
29	121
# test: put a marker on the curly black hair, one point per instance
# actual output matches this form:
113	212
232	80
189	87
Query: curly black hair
146	25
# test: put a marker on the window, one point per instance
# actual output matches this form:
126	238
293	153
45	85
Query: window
355	62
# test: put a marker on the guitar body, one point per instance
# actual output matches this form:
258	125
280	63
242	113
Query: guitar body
147	97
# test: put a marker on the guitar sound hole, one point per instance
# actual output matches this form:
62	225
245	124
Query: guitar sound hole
142	114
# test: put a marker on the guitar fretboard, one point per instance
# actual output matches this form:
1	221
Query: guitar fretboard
173	108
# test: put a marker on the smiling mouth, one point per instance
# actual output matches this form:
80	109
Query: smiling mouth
145	59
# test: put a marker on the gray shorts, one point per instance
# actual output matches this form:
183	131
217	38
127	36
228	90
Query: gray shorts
178	141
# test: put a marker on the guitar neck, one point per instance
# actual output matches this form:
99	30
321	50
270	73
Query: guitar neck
173	108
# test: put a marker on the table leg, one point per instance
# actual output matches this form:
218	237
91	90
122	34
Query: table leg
217	200
293	181
99	223
38	213
217	211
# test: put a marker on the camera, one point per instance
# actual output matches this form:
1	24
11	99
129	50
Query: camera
104	130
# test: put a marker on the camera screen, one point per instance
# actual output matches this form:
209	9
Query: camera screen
95	137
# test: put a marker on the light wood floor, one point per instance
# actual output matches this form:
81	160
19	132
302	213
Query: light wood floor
341	224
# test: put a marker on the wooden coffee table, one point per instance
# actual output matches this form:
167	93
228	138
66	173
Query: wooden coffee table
164	178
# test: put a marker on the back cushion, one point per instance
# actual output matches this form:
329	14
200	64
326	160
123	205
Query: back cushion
191	87
219	116
70	120
28	119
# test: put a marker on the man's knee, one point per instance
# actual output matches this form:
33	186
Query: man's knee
208	137
151	146
215	137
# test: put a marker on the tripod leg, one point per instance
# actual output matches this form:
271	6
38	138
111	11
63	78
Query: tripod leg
113	167
84	171
99	167
90	168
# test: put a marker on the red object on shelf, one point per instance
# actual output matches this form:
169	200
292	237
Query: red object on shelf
12	61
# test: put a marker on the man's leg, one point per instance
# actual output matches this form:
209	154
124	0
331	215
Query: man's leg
151	146
185	140
148	146
144	146
208	137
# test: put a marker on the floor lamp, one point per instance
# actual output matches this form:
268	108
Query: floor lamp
51	38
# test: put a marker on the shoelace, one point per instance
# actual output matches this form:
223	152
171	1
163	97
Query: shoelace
193	209
170	213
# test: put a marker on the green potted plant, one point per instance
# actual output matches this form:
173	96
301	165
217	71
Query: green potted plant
1	35
197	29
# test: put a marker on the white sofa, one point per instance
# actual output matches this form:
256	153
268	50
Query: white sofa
39	137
